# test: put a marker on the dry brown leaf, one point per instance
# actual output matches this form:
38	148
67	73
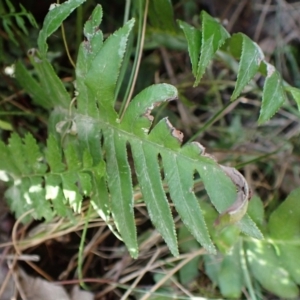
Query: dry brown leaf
9	287
77	294
40	289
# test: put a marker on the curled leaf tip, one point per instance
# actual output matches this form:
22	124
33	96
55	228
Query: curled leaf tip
238	209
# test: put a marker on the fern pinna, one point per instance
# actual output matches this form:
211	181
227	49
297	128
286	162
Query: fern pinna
86	153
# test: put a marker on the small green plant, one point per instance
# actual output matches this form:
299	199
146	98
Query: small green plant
86	154
74	167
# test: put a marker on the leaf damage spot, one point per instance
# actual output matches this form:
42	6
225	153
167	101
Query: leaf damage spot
147	114
87	45
53	5
270	70
175	133
202	150
33	52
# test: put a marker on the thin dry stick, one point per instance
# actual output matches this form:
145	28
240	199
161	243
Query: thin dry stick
97	239
13	263
180	286
236	13
281	175
172	272
185	118
66	46
34	241
17	282
144	271
11	97
72	262
48	227
261	20
24	109
139	59
133	275
14	230
14	240
21	257
227	10
65	41
5	282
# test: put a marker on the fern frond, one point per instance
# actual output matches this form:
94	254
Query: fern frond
49	184
214	37
91	133
7	20
95	102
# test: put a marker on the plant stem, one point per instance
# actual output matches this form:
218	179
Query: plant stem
66	45
126	14
81	248
210	122
246	273
137	61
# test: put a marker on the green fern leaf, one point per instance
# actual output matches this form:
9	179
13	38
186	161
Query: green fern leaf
28	185
17	152
29	16
33	155
46	193
54	155
214	36
7	162
31	86
36	197
273	94
10	6
70	190
21	23
18	199
86	54
103	74
148	173
49	91
77	169
120	186
98	73
56	93
193	37
7	25
100	198
161	15
52	92
54	192
296	95
251	57
85	183
72	160
53	20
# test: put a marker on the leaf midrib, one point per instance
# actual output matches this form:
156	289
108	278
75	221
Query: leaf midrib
132	137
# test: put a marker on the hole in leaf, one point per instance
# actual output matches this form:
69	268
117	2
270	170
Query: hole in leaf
198	185
131	164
